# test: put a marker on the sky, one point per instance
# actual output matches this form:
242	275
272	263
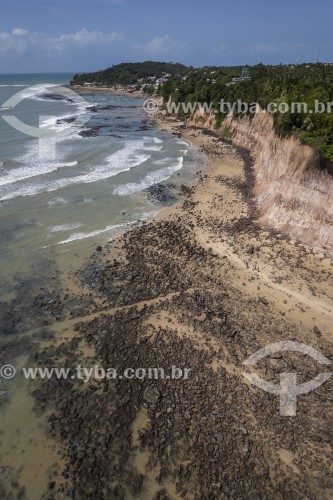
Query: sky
88	35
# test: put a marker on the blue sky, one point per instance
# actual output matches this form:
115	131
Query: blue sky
87	35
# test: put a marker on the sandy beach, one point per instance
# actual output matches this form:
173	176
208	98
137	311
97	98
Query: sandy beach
201	287
104	90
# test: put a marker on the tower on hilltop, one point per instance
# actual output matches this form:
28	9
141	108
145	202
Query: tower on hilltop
245	74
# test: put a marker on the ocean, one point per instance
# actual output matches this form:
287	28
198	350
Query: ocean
90	187
62	195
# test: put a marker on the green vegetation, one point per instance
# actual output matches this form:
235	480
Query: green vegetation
131	73
303	83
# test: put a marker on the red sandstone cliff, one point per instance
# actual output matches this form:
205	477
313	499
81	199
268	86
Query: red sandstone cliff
292	194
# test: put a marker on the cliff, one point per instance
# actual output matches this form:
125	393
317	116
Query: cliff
293	195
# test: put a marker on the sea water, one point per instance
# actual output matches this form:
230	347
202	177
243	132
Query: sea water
92	187
60	197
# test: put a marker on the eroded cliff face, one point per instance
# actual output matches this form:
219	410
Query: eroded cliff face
292	194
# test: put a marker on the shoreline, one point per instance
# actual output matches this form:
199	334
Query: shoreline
200	286
104	90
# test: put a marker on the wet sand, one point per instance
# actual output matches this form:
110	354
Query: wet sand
201	287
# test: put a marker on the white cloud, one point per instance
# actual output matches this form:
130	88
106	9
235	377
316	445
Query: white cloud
17	42
84	50
84	37
21	40
19	31
161	46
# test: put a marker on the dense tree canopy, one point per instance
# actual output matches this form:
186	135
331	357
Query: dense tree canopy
303	83
130	73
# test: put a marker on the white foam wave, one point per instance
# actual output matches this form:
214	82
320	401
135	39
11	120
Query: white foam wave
52	123
180	141
154	148
164	161
65	227
44	93
153	143
149	180
110	230
81	236
67	129
39	168
121	161
35	92
56	201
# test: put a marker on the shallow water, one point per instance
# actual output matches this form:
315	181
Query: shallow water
94	185
54	211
